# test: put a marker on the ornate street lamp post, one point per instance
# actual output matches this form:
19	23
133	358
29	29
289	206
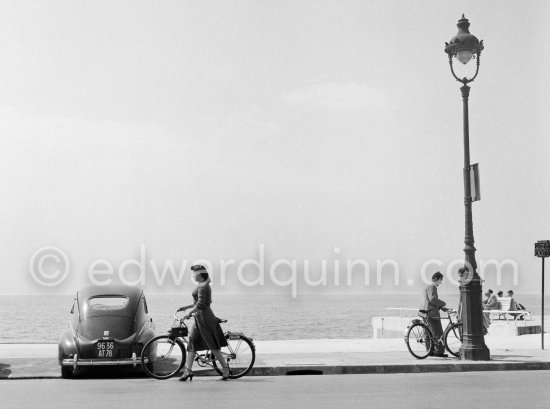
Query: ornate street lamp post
465	47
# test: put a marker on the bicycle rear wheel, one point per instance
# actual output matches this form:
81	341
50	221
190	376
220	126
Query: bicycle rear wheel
240	354
419	340
453	338
163	357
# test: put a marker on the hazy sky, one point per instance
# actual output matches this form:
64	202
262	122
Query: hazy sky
206	129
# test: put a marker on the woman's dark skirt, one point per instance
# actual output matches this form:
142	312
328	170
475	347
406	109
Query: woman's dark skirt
206	332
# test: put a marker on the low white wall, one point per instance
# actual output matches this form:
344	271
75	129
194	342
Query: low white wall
389	327
395	327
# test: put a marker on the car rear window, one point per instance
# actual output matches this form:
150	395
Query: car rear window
108	303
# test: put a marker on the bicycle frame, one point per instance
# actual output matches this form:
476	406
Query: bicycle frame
238	351
205	359
426	321
431	332
202	359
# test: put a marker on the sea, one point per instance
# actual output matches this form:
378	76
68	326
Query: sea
43	318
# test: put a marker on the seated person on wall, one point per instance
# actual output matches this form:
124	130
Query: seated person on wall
500	295
514	305
491	303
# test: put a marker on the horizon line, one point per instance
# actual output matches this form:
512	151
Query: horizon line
269	293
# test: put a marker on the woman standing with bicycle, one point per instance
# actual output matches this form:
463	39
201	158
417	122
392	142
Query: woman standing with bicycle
205	333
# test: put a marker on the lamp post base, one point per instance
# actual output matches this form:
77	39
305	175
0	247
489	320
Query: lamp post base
475	352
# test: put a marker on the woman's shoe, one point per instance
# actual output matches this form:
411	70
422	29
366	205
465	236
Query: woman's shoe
188	373
226	372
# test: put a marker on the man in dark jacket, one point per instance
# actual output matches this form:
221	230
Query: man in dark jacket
432	304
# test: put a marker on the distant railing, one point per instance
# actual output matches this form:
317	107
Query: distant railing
407	312
404	312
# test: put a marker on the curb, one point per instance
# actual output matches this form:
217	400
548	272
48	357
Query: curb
365	369
397	368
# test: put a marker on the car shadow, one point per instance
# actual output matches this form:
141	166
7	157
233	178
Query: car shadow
124	372
5	370
108	373
87	373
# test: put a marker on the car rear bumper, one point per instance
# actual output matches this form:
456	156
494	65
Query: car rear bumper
76	362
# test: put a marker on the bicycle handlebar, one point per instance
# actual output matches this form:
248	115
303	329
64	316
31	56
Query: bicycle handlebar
222	321
177	317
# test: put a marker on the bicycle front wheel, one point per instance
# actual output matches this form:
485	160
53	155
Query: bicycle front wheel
453	338
419	340
240	354
163	357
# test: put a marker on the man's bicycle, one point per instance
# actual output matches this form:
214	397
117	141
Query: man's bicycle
164	356
420	338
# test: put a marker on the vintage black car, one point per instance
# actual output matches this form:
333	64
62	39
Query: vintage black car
108	326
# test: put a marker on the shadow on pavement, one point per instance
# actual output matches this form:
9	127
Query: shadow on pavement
511	358
251	379
108	373
124	373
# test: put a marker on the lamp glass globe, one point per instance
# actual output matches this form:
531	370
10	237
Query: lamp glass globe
464	56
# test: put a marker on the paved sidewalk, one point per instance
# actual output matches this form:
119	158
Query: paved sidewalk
319	356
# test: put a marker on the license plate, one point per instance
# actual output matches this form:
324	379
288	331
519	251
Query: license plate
105	349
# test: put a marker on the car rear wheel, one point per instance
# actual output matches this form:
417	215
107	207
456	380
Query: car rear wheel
67	372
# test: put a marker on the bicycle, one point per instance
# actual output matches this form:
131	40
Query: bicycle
164	356
420	338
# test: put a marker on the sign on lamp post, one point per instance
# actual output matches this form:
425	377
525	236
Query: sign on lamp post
474	182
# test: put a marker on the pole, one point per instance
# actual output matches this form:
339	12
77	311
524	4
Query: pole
473	343
542	334
469	249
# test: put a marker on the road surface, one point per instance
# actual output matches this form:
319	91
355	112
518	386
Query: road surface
468	390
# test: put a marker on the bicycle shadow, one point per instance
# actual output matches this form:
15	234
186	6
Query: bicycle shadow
245	379
5	371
